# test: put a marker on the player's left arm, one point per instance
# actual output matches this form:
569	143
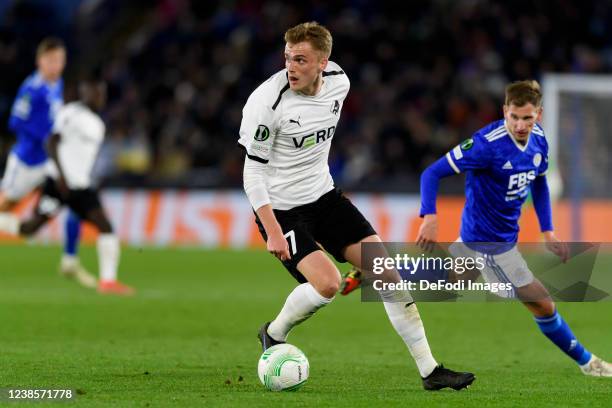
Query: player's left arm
430	179
52	150
541	202
471	154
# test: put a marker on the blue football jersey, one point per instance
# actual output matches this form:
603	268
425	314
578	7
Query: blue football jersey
499	171
32	117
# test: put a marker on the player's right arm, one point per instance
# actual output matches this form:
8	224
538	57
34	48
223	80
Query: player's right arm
469	155
28	99
257	133
22	108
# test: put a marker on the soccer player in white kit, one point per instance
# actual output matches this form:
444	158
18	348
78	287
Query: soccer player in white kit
73	147
287	127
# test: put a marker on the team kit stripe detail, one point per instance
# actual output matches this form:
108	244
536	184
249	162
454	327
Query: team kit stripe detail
257	159
250	156
328	73
495	132
452	163
280	95
497	137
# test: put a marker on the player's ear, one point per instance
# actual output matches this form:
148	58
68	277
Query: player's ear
505	110
323	63
540	112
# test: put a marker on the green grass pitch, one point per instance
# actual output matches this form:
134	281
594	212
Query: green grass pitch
189	338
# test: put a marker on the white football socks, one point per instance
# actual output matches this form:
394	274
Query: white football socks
108	256
406	321
9	223
302	303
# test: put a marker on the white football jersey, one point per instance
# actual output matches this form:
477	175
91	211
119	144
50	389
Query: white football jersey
292	133
81	134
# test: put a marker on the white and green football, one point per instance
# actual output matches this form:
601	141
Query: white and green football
283	367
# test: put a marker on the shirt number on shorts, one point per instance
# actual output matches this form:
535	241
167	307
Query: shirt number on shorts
291	238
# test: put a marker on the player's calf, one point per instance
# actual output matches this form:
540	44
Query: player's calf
10	224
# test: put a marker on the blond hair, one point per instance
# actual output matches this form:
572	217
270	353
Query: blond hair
318	36
49	44
520	93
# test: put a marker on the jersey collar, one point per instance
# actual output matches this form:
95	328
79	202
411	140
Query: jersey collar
519	146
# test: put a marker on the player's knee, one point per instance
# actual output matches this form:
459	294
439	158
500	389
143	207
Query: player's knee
548	308
102	223
30	227
329	287
542	308
105	227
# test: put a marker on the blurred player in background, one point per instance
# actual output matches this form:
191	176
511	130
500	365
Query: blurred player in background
34	110
73	147
287	127
504	161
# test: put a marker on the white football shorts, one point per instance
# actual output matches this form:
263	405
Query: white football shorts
20	179
507	267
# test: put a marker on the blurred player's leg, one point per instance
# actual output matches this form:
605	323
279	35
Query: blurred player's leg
9	223
323	282
109	252
70	265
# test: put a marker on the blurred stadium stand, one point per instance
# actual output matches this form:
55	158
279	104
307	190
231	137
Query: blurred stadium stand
180	71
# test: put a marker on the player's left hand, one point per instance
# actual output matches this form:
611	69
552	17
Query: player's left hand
428	233
557	247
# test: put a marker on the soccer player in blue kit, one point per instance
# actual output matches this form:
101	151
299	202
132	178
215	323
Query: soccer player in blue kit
503	162
32	116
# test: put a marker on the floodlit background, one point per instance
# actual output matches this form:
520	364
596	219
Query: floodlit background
179	73
424	76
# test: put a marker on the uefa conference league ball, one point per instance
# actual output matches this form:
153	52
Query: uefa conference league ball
283	368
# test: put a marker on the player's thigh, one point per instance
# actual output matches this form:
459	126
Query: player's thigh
321	273
300	240
86	205
508	268
375	248
339	225
50	200
20	179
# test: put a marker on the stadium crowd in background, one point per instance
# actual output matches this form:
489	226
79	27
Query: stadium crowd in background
179	72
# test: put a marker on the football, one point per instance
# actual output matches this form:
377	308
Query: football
283	367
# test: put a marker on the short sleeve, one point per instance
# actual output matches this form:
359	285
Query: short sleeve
471	154
257	129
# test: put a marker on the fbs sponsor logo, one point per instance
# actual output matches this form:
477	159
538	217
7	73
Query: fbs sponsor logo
521	179
314	138
517	185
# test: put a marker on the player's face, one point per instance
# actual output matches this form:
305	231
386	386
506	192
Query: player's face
304	66
521	120
51	64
